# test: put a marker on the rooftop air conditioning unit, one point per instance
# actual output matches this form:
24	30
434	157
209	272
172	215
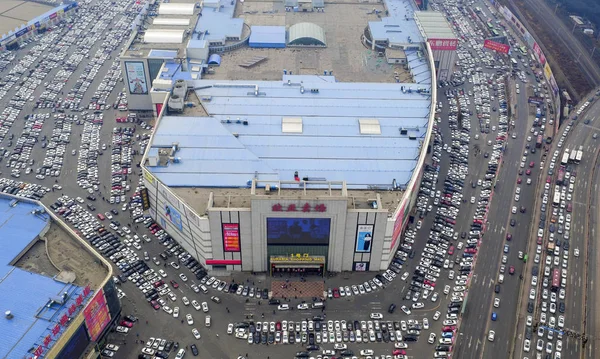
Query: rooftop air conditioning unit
176	103
8	315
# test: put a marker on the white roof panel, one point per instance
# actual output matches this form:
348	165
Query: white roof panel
171	21
164	36
176	9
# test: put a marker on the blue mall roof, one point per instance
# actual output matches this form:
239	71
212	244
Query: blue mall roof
215	152
24	293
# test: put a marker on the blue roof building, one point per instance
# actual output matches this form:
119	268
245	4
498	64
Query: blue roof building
36	303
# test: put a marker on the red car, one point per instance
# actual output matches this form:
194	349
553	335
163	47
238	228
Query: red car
174	284
519	180
508	236
471	250
399	352
278	326
158	283
126	324
528	172
451	250
539	240
336	293
511	270
155	305
531	164
448	328
548	179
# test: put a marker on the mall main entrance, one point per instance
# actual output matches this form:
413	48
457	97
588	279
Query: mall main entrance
301	264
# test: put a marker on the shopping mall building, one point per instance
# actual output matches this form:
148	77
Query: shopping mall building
258	164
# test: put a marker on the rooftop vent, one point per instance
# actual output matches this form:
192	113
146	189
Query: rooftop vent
8	315
369	126
291	125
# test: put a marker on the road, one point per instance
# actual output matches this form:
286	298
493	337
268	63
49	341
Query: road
567	39
580	299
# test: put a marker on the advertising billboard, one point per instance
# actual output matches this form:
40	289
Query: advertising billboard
145	198
443	44
496	46
298	231
76	345
231	237
539	54
398	224
96	315
174	216
364	238
136	77
360	266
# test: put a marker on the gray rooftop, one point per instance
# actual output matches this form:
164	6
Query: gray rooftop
434	25
342	132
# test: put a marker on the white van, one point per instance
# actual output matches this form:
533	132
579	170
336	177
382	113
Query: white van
180	354
207	321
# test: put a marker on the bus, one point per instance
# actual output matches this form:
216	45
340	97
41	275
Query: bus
514	62
572	156
523	50
490	26
579	154
561	176
539	141
495	32
565	158
555	280
556	199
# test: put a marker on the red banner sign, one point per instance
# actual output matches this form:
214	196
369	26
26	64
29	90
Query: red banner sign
496	46
443	44
56	330
231	237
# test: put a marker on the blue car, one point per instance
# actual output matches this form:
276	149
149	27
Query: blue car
494	316
447	335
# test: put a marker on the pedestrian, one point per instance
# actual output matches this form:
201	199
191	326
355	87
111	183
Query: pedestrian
146	322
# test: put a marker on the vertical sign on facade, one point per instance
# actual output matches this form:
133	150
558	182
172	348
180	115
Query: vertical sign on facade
231	237
145	199
364	238
96	315
136	77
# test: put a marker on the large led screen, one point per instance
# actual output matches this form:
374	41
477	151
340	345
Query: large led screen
294	231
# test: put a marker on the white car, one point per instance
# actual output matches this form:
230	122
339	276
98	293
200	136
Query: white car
123	330
302	306
283	307
404	309
189	319
205	307
425	323
418	305
167	309
532	294
176	312
376	316
366	352
183	277
196	333
491	335
431	339
437	315
196	305
526	345
230	328
185	301
496	302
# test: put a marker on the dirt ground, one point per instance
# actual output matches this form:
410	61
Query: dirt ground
69	255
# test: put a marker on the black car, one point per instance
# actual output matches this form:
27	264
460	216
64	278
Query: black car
497	288
114	211
347	353
392	308
274	301
302	354
530	307
194	349
513	222
312	347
